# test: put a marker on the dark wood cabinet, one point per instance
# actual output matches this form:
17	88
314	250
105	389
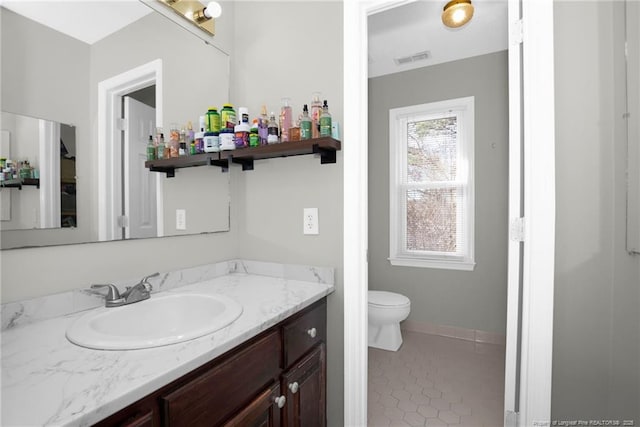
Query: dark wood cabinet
304	384
276	379
263	411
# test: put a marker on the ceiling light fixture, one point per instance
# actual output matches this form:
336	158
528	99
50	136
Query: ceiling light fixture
456	13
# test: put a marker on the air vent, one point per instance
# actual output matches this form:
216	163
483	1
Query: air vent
420	56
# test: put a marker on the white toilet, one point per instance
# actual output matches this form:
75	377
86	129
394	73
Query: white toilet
386	311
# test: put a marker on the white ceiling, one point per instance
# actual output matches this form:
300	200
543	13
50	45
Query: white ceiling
86	20
416	27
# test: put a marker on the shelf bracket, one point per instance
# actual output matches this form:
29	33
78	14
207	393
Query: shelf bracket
171	172
247	164
222	163
326	155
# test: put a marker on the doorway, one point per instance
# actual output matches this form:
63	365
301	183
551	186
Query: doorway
461	312
138	183
114	194
533	26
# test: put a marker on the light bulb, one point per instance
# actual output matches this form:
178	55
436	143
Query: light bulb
213	10
459	16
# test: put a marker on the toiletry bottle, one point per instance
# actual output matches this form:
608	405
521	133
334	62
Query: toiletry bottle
294	130
242	128
305	124
325	120
183	151
199	142
213	120
190	139
151	149
316	110
254	138
227	140
263	126
285	120
272	128
227	117
160	146
174	141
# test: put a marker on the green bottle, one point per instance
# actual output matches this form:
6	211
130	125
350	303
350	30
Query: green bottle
151	149
213	120
325	120
305	124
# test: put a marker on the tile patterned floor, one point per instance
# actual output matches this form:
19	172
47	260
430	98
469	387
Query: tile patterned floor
436	381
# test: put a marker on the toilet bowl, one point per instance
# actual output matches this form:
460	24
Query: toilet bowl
386	311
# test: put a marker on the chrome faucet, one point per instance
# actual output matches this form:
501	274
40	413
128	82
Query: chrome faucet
141	291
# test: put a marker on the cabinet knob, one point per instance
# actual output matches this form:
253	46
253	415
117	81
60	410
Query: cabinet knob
293	387
280	401
312	332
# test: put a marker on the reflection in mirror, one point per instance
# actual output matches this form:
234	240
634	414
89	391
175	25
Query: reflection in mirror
38	178
190	76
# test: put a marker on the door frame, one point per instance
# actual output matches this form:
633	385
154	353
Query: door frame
110	93
539	232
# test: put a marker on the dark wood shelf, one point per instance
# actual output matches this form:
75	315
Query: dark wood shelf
169	166
326	147
18	183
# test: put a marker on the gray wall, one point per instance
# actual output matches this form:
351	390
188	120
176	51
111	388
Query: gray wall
277	55
596	347
62	268
45	74
472	300
195	76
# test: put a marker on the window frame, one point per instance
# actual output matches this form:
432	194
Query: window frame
464	259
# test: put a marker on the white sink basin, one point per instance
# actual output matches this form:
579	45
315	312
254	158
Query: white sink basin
158	321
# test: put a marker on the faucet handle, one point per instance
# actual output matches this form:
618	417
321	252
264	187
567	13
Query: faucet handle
146	283
113	296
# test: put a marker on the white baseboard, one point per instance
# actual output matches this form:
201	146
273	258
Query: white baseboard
454	332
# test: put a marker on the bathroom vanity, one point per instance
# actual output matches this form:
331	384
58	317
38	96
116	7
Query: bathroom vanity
268	367
275	379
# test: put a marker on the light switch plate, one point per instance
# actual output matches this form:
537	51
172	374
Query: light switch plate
310	221
181	219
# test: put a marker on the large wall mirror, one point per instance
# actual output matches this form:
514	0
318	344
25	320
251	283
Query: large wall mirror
60	60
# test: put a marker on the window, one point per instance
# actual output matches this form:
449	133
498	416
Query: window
431	185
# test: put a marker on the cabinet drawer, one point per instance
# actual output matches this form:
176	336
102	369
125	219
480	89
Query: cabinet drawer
212	397
303	332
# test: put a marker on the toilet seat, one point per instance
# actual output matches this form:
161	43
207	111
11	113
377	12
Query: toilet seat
384	299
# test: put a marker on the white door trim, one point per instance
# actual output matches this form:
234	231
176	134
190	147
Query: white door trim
537	336
514	270
355	209
539	211
110	93
49	151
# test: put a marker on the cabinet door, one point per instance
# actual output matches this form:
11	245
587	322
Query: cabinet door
224	389
263	411
305	387
140	414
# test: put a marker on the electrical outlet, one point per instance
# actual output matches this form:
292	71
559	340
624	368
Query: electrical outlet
310	221
181	219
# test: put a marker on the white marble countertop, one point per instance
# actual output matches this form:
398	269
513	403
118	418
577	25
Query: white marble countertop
46	380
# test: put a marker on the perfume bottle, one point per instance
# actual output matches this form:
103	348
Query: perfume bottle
316	110
325	120
272	128
305	124
285	120
263	126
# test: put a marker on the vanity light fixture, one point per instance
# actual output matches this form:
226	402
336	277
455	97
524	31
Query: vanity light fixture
213	10
456	13
196	13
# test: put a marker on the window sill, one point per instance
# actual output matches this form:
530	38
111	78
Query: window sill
434	263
